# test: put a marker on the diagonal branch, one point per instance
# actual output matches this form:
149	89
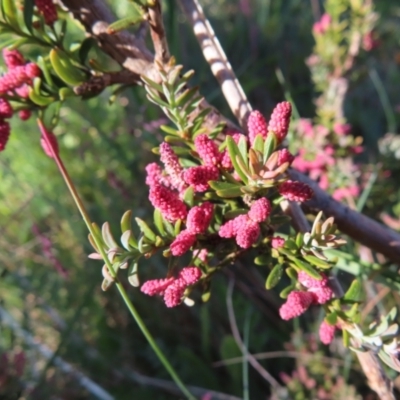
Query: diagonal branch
361	228
216	58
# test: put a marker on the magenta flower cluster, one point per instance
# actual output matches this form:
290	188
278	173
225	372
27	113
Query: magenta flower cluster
16	80
48	9
172	288
245	228
297	302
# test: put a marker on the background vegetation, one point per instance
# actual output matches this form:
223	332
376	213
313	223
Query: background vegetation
52	291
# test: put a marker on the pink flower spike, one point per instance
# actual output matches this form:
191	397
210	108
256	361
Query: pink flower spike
12	58
174	293
295	191
256	125
296	304
198	177
172	166
182	243
190	275
321	295
248	234
260	210
6	110
277	242
48	141
310	282
156	286
154	175
284	156
199	217
32	70
168	202
326	332
230	228
48	9
280	119
207	150
4	134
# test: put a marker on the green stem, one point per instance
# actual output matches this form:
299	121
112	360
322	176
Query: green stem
111	270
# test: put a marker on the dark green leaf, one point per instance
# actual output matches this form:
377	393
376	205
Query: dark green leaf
270	145
188	196
274	276
307	268
233	153
28	13
158	221
355	291
148	233
124	23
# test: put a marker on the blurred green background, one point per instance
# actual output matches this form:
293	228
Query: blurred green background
57	301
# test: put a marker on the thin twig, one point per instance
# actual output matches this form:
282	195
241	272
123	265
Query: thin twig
216	58
157	33
236	334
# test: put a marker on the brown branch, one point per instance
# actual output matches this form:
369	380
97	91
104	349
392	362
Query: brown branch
216	58
126	49
96	84
157	33
361	228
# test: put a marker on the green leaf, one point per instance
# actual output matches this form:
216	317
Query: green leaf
124	23
218	185
270	145
170	130
85	48
285	292
125	238
28	13
148	233
233	152
317	262
291	273
291	245
354	292
263	259
188	196
152	84
10	12
186	96
307	268
274	276
65	69
126	221
108	237
177	227
133	277
158	221
331	318
229	193
299	240
258	144
242	146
